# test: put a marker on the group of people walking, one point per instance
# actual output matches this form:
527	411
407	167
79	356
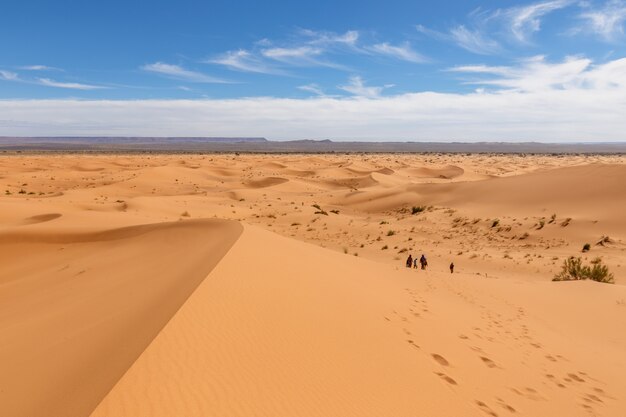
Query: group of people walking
412	262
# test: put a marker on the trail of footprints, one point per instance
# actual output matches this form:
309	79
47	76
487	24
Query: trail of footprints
519	335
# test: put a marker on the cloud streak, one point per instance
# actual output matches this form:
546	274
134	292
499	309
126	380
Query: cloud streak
72	86
180	73
403	52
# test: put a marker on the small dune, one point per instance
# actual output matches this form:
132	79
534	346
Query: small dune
266	182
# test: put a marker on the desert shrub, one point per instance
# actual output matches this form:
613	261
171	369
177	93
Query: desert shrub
403	250
391	232
586	247
417	209
185	214
384	247
573	269
541	223
495	223
552	218
335	211
566	222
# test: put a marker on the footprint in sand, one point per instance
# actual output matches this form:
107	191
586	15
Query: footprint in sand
575	377
486	409
440	359
446	378
505	405
488	362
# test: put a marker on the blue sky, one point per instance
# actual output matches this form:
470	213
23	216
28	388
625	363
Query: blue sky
347	70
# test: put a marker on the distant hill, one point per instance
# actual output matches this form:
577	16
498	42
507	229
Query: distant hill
259	144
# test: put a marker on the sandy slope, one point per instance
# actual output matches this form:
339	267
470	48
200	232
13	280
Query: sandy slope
311	311
78	308
282	328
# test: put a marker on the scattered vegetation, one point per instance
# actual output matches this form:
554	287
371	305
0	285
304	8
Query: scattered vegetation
566	222
573	269
185	214
403	250
552	218
542	222
383	222
391	232
417	209
586	247
335	211
495	223
384	247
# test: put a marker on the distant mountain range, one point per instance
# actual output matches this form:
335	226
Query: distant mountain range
259	144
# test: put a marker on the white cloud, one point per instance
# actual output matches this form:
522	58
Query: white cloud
72	86
348	38
180	73
357	87
536	74
523	21
608	22
312	88
402	52
474	41
573	100
38	68
526	20
9	76
242	60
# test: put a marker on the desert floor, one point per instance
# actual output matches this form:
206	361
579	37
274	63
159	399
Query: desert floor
274	285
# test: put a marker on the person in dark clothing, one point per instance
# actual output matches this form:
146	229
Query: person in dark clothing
409	261
415	263
423	262
452	267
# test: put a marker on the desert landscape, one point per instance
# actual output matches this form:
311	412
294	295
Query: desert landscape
275	285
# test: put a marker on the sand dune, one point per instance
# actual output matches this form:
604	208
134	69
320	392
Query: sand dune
122	293
78	308
296	330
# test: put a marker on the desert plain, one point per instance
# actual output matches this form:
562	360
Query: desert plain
275	285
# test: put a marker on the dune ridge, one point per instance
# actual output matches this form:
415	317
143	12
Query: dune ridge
78	309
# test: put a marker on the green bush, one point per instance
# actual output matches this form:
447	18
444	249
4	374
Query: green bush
573	269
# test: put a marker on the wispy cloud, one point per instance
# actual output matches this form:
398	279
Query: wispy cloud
180	73
348	38
72	86
608	21
523	21
9	76
38	68
402	52
536	74
474	41
312	88
482	34
246	61
357	87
